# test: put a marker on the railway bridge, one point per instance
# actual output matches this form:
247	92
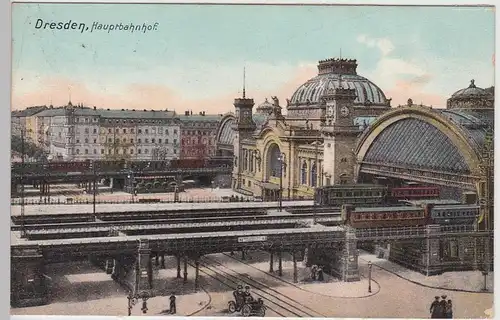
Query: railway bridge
120	179
126	248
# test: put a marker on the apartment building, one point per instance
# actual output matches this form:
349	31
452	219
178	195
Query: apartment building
198	134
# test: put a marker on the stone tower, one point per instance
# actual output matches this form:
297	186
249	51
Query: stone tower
244	126
339	133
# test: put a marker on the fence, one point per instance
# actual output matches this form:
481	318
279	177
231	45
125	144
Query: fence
138	199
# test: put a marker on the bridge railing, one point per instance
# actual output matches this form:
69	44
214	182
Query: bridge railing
69	201
390	232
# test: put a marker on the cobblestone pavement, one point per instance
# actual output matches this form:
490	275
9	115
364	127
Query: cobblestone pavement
87	290
463	280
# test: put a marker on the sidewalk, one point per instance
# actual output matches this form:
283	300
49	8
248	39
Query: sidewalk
469	281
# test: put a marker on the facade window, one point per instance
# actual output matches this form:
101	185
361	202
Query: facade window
109	151
166	141
124	140
102	151
95	140
117	140
124	130
77	151
167	132
86	140
87	130
95	130
175	131
86	151
147	131
110	140
153	140
77	140
175	141
303	177
132	130
59	134
160	131
175	151
124	151
146	140
131	151
86	119
313	175
109	130
116	130
95	151
139	141
140	131
159	140
139	151
146	151
131	140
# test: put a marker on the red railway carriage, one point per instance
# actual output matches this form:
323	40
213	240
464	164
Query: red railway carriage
415	193
384	217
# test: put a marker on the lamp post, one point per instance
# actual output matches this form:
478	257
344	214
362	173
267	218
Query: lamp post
93	188
281	159
369	276
23	231
131	181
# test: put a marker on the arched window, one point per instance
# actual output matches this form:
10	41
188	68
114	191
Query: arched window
274	162
252	169
313	175
303	178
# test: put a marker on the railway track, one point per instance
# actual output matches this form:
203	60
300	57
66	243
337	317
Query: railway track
127	223
276	301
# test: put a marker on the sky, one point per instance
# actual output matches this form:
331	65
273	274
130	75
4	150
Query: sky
194	55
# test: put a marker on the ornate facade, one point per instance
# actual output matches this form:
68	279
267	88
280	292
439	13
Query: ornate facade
313	144
340	128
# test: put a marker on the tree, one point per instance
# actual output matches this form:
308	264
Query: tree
30	149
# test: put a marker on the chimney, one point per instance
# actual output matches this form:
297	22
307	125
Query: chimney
123	109
203	113
186	113
107	109
133	109
95	108
191	112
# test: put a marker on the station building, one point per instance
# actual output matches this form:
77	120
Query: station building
340	128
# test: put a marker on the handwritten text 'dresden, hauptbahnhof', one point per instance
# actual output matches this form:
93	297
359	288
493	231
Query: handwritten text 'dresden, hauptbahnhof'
96	26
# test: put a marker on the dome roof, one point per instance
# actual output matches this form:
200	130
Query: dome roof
471	91
338	73
265	107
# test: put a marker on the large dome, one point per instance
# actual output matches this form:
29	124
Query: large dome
471	91
472	97
337	73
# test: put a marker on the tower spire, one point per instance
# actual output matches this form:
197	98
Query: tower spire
243	82
69	93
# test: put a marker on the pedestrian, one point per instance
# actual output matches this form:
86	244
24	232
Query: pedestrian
320	274
435	308
449	310
173	308
443	304
313	272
